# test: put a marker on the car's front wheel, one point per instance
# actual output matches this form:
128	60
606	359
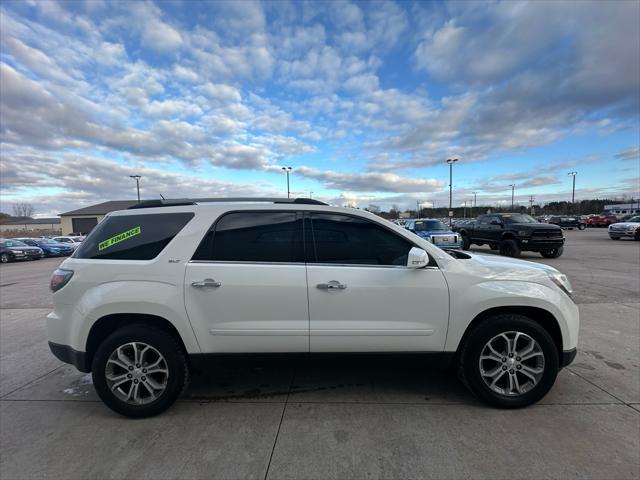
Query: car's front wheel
509	361
140	371
4	258
466	242
554	253
509	248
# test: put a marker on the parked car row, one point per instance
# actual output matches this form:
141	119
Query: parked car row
14	249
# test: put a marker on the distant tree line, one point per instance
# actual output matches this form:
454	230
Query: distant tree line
583	207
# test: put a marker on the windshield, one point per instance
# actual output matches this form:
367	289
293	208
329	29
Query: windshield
518	218
430	225
47	240
13	243
634	219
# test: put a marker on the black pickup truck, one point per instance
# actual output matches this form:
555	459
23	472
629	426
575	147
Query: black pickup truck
512	233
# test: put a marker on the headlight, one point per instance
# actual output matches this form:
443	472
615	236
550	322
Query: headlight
561	280
524	233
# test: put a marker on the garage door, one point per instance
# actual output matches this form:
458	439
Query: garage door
83	225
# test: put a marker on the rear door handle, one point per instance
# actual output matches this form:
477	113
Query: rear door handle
332	285
206	283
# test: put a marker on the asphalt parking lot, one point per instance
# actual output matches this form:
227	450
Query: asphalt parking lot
386	417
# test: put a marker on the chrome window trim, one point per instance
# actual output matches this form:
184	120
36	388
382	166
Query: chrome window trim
237	262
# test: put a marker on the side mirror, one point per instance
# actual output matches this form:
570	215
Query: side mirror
418	258
496	222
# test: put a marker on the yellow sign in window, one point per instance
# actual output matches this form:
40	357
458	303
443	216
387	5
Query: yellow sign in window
109	242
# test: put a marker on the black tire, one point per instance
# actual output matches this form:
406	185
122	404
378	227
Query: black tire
475	342
582	226
555	253
509	248
168	346
493	246
637	235
466	242
5	258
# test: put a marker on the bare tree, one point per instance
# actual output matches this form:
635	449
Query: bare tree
23	209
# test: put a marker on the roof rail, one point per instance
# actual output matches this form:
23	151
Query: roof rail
195	201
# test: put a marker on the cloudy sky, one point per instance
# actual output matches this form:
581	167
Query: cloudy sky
364	100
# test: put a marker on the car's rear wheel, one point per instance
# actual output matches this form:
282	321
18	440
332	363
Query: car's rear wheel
582	226
509	248
554	253
509	361
140	371
4	258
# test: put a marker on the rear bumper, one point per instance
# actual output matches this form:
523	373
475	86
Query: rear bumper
568	356
67	354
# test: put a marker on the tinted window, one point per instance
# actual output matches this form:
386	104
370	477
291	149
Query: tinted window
518	218
344	239
430	225
254	237
132	237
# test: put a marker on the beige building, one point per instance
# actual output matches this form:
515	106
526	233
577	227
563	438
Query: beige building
31	225
84	219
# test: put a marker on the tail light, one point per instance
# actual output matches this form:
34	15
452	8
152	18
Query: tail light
59	279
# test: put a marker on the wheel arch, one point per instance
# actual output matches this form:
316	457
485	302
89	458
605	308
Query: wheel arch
539	315
106	325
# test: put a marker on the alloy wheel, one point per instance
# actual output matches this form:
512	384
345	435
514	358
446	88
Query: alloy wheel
136	373
511	363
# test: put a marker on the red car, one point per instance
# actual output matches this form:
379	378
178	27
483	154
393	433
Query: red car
601	220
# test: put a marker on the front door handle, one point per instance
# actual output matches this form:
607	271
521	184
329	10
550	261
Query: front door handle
332	285
206	283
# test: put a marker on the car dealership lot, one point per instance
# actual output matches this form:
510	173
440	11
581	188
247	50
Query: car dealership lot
339	417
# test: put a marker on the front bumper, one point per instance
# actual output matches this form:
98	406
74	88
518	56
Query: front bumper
622	233
537	245
67	354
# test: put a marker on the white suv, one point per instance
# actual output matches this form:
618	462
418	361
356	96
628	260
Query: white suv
157	288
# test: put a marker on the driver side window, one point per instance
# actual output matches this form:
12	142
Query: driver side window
347	240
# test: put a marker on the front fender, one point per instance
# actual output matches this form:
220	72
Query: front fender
144	297
483	296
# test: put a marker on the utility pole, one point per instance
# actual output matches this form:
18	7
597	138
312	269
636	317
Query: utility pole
287	170
451	161
573	193
531	200
464	215
475	203
310	194
513	187
137	179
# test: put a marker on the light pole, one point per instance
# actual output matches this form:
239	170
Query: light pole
573	192
310	194
137	179
475	204
513	186
287	170
465	210
451	161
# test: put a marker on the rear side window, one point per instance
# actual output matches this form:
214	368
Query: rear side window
342	239
132	237
254	237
